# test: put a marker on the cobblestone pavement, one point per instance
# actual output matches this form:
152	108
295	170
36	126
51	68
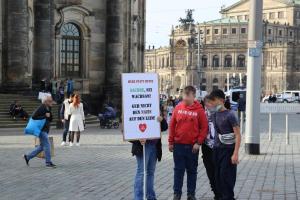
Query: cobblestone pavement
103	169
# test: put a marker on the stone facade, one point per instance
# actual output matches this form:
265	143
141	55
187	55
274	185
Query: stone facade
223	53
90	41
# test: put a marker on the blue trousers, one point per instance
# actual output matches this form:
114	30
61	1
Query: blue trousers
151	160
185	161
225	172
66	130
44	146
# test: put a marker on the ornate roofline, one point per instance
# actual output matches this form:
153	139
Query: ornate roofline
287	2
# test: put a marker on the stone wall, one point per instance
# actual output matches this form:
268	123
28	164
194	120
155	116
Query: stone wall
112	42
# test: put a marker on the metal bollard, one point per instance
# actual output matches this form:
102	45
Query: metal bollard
270	127
287	134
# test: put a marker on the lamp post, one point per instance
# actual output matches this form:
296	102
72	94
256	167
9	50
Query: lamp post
199	64
252	143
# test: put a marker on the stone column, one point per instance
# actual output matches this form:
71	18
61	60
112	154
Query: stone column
43	40
114	54
17	45
1	27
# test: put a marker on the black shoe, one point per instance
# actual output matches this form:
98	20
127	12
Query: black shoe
26	159
191	197
51	165
177	197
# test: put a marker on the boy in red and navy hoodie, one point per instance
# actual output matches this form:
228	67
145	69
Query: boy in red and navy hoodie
187	131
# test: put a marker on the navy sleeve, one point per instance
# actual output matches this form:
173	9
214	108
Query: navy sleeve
233	120
39	113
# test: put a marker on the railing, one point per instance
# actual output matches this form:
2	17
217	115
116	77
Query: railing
277	108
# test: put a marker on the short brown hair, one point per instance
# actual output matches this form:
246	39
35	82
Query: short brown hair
189	89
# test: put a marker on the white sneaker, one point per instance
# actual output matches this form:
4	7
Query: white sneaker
63	143
71	144
78	144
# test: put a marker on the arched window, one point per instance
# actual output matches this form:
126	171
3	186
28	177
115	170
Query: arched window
168	62
275	62
241	61
216	61
203	84
215	84
204	61
215	81
228	61
70	50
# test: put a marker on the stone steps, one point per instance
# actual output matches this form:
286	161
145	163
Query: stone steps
29	103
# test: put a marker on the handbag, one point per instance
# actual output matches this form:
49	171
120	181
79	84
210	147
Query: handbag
227	139
34	127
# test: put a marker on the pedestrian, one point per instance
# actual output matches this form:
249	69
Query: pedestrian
76	115
226	146
170	108
227	103
207	148
188	130
70	87
61	92
241	105
54	89
64	116
43	112
153	153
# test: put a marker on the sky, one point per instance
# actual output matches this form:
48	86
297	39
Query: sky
162	14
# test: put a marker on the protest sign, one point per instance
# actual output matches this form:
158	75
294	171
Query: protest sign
140	106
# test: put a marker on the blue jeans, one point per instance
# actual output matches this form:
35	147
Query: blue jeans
66	130
151	159
185	160
44	146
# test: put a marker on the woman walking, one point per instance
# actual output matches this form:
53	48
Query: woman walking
76	115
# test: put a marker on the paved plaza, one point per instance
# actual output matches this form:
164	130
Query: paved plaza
103	168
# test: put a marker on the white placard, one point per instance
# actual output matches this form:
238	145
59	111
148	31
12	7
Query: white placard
140	106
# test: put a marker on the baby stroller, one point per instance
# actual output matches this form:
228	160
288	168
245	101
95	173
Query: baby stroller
108	119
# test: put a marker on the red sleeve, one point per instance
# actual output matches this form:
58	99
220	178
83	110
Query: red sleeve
203	125
172	127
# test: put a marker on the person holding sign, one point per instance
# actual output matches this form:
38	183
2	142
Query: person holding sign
188	130
153	150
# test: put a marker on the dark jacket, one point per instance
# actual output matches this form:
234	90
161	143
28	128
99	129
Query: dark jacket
137	148
40	113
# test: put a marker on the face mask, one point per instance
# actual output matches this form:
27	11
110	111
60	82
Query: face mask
218	108
211	109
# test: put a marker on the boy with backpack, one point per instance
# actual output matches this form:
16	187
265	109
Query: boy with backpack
226	145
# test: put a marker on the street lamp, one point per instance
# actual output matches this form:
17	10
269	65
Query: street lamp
199	63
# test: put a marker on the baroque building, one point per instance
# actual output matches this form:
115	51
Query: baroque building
90	41
222	58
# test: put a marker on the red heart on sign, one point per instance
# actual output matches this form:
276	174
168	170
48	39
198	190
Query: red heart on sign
142	127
